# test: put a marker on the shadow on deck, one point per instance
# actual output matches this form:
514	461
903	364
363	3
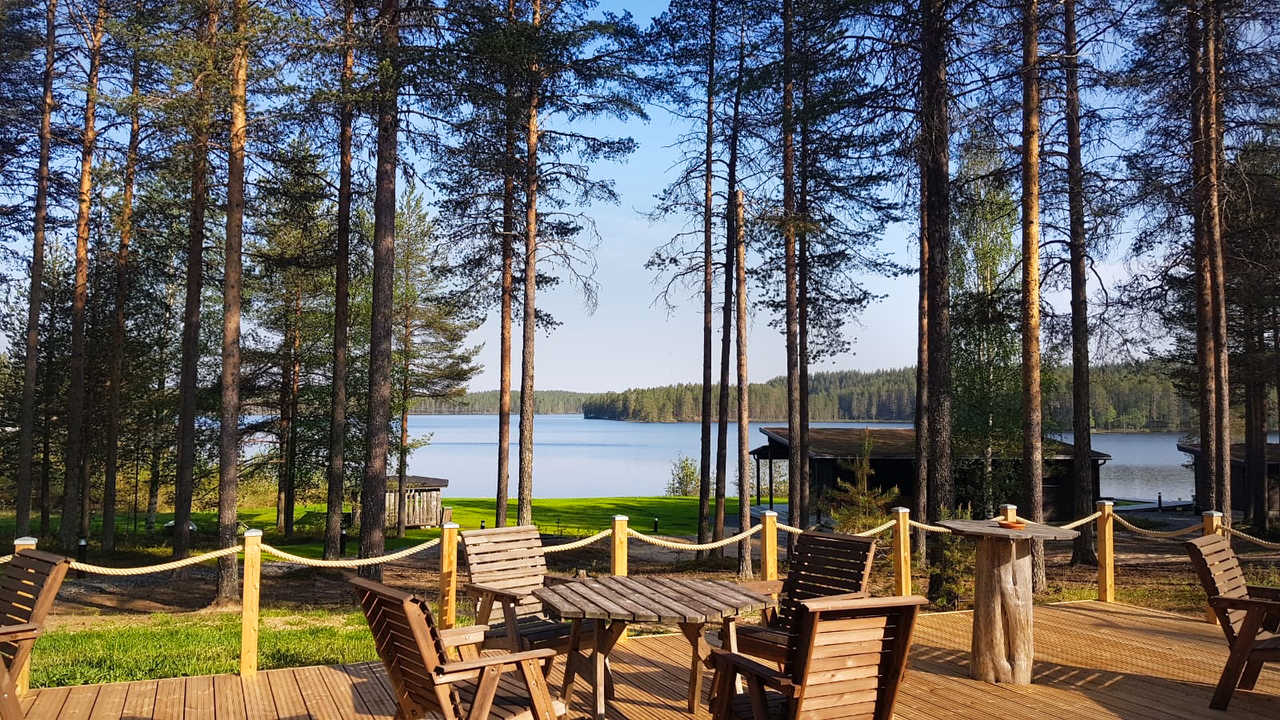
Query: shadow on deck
1092	661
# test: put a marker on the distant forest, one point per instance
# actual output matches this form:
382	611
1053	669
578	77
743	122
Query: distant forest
1133	396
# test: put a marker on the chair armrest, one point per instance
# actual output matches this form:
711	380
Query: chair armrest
498	594
454	671
1245	603
470	635
725	661
19	632
1264	593
762	587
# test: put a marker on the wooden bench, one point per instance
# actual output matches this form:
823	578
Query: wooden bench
27	590
847	664
426	682
821	564
1249	615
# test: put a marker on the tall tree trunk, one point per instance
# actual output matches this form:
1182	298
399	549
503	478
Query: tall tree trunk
920	504
936	130
373	489
72	508
157	447
794	459
295	378
744	413
1256	427
1217	259
229	422
46	463
284	429
509	167
524	501
26	424
342	297
802	298
1032	440
726	322
1206	354
195	284
1082	551
406	345
704	465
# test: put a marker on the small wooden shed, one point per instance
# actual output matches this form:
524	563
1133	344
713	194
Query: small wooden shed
422	500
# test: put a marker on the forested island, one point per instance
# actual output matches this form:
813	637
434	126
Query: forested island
1131	396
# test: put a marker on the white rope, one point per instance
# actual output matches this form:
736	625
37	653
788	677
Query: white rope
1157	533
1077	523
877	529
148	569
578	543
360	562
674	545
5	559
790	529
1254	540
930	528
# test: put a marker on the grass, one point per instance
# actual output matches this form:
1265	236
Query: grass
205	643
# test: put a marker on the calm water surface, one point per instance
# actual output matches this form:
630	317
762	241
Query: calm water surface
574	457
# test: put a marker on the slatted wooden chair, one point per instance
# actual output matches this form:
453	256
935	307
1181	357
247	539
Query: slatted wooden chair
506	565
426	683
27	589
847	665
1249	615
821	564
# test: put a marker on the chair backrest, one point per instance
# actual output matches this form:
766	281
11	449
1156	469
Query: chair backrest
27	590
823	564
509	558
406	638
1221	575
851	656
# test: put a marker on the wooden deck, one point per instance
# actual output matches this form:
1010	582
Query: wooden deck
1092	661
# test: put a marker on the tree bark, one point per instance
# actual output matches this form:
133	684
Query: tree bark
744	413
195	284
342	297
509	167
920	505
1082	552
794	459
1217	259
802	297
26	424
73	508
1032	422
705	533
229	422
524	501
406	346
373	489
936	129
1206	353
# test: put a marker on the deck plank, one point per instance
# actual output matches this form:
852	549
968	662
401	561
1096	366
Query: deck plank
1092	661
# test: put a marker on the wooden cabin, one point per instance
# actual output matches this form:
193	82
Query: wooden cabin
834	453
422	500
1241	497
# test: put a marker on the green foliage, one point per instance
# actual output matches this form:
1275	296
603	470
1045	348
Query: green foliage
950	563
684	477
855	506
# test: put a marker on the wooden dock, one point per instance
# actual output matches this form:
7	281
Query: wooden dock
1092	661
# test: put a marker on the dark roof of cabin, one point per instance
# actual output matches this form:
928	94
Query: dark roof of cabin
1237	452
419	482
888	443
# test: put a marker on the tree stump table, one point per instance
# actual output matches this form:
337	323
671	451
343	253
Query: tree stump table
1003	645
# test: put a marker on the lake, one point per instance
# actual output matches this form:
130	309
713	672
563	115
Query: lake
575	457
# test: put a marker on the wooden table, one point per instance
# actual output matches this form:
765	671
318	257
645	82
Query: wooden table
1003	647
611	602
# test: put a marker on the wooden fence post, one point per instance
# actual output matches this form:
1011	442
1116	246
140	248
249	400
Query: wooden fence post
619	552
1009	512
1106	552
22	682
448	574
902	551
769	546
1212	526
249	604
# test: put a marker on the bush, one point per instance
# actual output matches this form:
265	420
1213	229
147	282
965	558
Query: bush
950	558
684	477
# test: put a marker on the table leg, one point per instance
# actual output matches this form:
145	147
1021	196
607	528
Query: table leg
606	637
571	660
1002	647
693	633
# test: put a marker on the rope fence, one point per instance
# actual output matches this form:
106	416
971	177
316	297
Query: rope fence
578	544
1255	540
680	545
149	569
791	529
877	529
1156	533
354	563
930	528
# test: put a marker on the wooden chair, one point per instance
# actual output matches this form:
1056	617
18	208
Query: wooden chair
506	566
1249	615
821	564
427	683
847	665
29	585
